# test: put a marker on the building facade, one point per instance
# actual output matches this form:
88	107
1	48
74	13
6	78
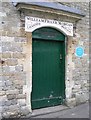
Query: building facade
44	56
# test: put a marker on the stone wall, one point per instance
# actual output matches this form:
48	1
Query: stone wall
13	44
16	60
80	73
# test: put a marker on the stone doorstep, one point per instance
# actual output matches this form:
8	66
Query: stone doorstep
48	110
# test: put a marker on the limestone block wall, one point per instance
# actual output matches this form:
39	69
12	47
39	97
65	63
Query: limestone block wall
80	73
13	48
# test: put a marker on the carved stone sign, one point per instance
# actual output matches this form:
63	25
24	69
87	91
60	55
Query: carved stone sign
33	23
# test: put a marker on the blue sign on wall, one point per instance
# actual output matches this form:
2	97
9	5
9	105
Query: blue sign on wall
79	51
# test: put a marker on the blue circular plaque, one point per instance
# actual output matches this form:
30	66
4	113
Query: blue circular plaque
79	51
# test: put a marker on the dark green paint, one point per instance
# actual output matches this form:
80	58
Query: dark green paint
48	88
48	34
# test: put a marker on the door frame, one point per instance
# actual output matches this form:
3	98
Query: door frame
28	66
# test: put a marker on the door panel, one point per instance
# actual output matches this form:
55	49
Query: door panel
48	73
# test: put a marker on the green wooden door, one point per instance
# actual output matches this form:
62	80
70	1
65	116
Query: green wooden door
48	84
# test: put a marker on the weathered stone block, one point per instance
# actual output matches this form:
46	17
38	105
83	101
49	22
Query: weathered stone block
21	91
1	103
10	97
10	114
11	62
16	47
4	78
4	108
19	55
2	93
17	76
5	69
12	92
20	39
0	49
14	107
71	102
2	14
7	103
2	83
7	39
6	55
24	110
4	49
21	102
11	102
19	68
6	44
8	88
20	96
12	68
6	114
81	98
19	82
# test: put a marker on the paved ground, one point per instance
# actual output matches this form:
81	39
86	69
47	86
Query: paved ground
81	111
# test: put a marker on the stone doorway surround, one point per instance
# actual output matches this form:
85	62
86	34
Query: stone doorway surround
28	65
47	13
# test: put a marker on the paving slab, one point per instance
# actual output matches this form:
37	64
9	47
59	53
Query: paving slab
48	110
80	111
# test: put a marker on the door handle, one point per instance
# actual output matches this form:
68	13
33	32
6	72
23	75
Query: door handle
60	57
